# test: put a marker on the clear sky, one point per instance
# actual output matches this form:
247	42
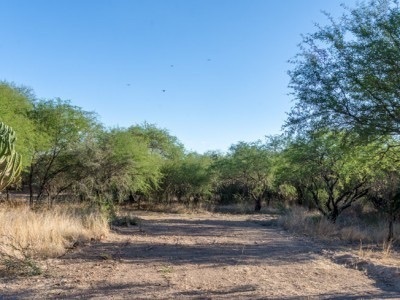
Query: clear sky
212	72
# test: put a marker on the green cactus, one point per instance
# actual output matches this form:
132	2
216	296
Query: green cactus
10	161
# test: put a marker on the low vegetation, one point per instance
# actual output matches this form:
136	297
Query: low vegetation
27	235
357	227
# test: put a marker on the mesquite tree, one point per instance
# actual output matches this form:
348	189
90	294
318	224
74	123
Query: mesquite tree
331	170
62	127
249	165
16	104
385	196
347	74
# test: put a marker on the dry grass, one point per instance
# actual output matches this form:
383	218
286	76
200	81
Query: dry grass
312	223
374	255
48	232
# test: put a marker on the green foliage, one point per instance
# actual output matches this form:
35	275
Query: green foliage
346	75
329	169
123	164
16	103
158	141
139	169
249	165
61	123
385	195
63	129
188	178
10	160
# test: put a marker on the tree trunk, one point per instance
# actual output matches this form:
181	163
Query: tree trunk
333	214
257	204
31	186
389	238
300	196
196	200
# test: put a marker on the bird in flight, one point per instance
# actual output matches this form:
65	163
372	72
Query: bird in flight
163	91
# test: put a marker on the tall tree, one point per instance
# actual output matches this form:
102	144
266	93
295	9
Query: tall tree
16	104
62	128
188	178
119	166
249	165
385	186
347	74
385	196
141	168
166	150
331	169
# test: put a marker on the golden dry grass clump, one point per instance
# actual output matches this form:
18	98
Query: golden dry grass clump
49	232
312	223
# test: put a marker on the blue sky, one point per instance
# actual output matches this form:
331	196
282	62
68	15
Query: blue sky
212	72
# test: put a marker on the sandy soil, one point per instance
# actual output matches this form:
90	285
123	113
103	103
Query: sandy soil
207	256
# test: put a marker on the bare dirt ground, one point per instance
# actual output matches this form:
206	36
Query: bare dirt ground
207	256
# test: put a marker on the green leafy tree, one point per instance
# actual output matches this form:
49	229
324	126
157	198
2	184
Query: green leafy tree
385	195
120	167
16	103
346	75
189	179
385	186
141	168
166	150
169	153
126	164
331	170
249	166
63	127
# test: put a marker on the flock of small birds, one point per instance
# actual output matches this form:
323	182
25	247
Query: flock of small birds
164	90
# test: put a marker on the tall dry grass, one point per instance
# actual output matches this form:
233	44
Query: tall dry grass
348	228
48	232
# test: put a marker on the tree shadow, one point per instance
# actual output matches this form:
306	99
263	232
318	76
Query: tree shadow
386	278
255	249
146	290
226	254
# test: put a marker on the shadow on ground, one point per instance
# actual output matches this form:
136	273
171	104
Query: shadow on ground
261	246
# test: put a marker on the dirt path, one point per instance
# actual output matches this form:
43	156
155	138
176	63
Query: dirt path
171	256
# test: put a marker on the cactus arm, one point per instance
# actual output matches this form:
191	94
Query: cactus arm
10	160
